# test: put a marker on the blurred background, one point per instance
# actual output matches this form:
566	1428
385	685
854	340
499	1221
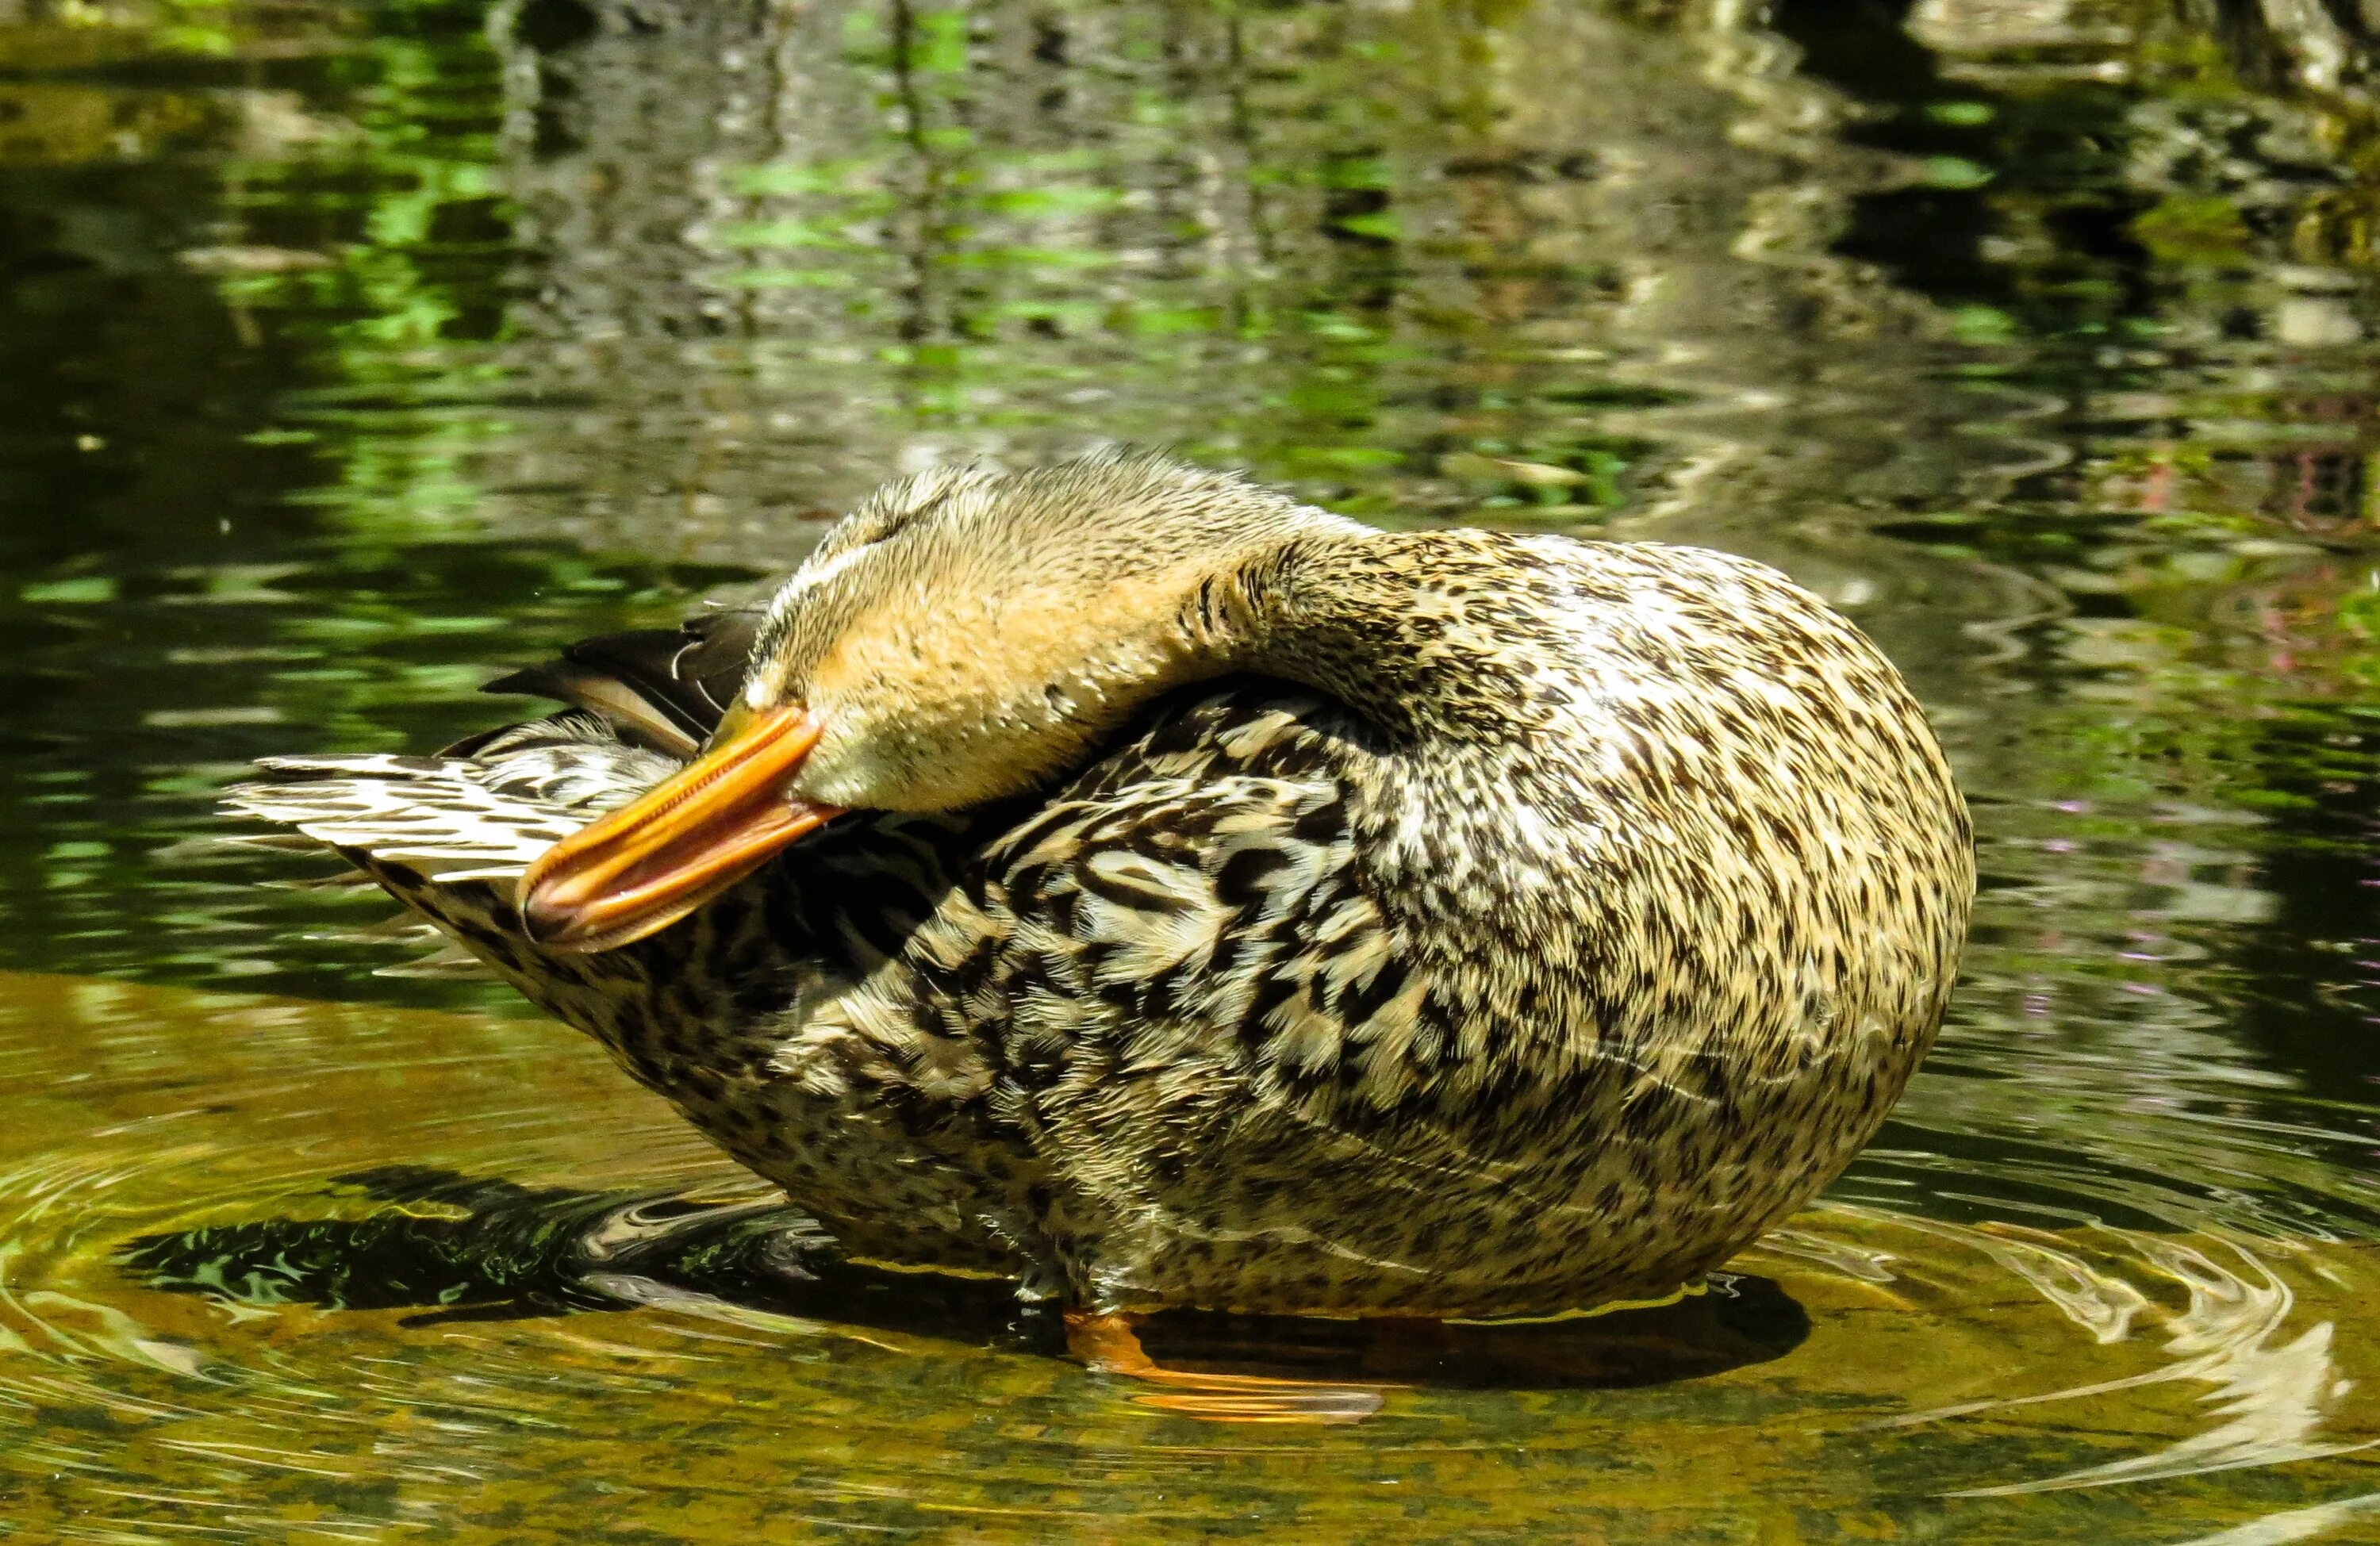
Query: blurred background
352	353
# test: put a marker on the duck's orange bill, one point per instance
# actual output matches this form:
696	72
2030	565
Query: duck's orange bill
648	864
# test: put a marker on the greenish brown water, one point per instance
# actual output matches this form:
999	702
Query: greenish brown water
348	354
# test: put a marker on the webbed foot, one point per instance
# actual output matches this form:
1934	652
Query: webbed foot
1107	1344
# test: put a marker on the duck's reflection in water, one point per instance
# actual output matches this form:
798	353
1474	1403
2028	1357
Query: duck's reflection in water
454	1246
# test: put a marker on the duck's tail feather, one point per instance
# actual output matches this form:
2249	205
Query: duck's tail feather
450	835
434	815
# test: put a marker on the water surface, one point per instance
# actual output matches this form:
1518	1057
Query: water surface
351	355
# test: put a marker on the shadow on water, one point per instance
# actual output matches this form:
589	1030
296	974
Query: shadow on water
459	1248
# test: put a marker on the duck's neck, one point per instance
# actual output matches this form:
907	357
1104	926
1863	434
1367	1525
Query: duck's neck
1439	640
1426	633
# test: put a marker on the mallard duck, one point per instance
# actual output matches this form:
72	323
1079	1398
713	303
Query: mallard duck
1124	878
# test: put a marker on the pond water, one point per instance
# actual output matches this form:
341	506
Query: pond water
351	354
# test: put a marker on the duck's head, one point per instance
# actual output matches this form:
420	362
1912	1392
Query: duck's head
964	635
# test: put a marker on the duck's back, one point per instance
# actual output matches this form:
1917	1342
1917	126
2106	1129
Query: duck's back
1301	1013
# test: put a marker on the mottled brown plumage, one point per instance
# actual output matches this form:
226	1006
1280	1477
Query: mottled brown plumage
1244	907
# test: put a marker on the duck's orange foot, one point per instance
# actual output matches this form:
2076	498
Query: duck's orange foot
1107	1345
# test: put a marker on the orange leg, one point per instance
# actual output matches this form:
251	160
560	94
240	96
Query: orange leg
1107	1345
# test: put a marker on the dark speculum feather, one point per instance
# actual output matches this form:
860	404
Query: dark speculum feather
662	688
